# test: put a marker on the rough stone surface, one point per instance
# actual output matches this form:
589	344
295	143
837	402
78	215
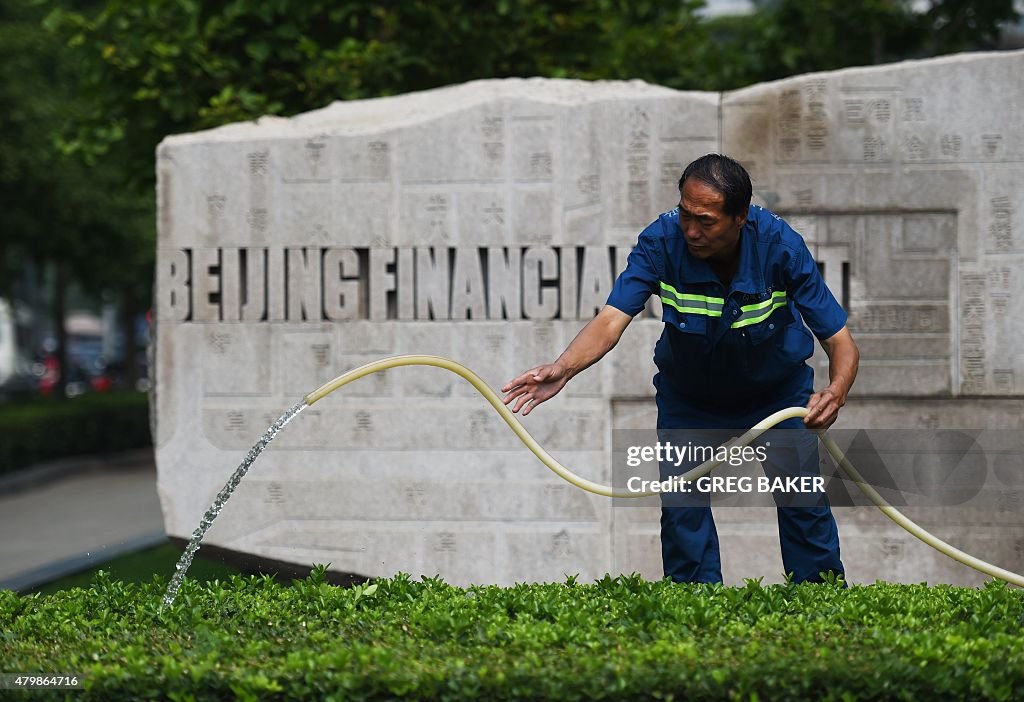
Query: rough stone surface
486	222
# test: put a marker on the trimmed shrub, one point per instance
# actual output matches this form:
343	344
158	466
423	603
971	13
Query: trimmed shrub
45	430
620	638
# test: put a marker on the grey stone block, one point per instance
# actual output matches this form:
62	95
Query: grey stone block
485	222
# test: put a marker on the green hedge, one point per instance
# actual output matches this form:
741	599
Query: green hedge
45	430
621	638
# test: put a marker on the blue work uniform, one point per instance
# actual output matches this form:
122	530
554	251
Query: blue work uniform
729	357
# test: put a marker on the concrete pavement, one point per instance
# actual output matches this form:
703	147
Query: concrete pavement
66	516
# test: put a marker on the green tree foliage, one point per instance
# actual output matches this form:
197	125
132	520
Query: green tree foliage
29	178
51	209
962	25
167	66
797	36
65	215
157	67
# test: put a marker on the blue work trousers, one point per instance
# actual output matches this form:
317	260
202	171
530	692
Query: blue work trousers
807	532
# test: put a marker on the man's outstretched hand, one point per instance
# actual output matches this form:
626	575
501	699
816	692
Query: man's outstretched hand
535	386
541	383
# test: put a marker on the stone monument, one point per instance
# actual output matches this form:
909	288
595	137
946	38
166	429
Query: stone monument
486	222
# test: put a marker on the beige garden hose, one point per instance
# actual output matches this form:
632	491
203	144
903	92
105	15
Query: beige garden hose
599	489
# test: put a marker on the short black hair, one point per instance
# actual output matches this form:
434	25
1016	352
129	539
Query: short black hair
726	176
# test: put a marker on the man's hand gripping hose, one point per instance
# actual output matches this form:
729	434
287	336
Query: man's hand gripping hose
599	489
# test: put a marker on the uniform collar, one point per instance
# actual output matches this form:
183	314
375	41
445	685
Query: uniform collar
748	279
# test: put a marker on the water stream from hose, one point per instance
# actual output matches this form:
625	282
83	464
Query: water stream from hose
211	514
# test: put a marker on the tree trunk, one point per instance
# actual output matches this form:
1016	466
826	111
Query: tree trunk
60	285
5	283
129	310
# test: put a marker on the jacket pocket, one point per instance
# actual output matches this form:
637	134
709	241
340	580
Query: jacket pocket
772	327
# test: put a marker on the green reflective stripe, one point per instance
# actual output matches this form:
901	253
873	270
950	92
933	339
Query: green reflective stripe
691	310
777	297
744	321
689	297
760	311
712	306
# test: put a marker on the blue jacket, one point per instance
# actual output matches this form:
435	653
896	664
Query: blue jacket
738	346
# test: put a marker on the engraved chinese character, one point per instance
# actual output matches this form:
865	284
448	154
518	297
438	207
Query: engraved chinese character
561	544
999	278
804	198
218	342
892	547
881	109
215	205
854	110
916	148
540	164
364	421
236	421
275	494
991	143
257	219
321	354
494	213
478	426
639	117
492	127
379	154
1001	229
950	145
1000	305
1008	501
415	495
1003	379
314	153
637	192
913	109
789	112
590	184
817	136
670	171
319	233
789	146
874	148
495	150
437	209
495	342
258	161
815	88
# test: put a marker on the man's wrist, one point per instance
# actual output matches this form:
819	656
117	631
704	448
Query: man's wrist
562	368
839	390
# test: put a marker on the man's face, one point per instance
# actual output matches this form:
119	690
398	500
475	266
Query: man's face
709	232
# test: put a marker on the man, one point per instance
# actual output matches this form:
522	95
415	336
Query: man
731	278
